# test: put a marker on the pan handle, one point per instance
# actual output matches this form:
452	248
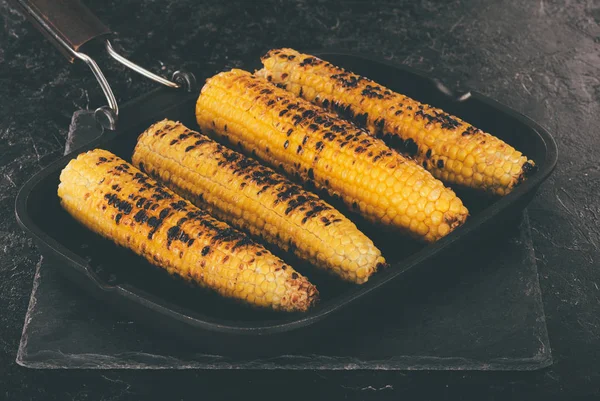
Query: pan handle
68	24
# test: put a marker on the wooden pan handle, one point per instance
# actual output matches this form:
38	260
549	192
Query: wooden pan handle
68	24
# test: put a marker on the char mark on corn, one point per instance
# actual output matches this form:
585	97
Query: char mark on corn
327	153
256	199
452	149
119	202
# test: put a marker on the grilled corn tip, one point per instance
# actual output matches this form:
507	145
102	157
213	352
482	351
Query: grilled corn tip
328	154
254	198
450	148
117	201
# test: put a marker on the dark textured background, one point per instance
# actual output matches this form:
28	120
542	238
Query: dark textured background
540	57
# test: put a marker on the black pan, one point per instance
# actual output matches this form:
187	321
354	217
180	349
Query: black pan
118	277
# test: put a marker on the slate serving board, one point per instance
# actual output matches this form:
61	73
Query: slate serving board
490	317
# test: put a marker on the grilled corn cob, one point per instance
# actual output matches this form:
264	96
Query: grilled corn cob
327	153
453	150
252	197
117	201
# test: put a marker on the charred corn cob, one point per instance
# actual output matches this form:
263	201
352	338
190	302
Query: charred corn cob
450	148
117	201
252	197
328	153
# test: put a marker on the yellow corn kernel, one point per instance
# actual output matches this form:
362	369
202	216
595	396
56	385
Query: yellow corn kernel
229	185
378	109
340	147
117	201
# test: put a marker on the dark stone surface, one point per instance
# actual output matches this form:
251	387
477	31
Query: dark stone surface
490	317
540	57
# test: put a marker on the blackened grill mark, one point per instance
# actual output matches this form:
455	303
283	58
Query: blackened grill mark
528	169
266	91
118	218
121	205
101	160
325	103
329	136
409	146
337	128
141	216
311	174
398	112
173	142
319	146
160	194
428	153
444	119
180	205
175	233
164	213
470	131
243	241
315	210
283	112
286	193
229	235
154	223
371	93
286	144
440	163
228	157
284	75
347	80
299	149
310	61
294	276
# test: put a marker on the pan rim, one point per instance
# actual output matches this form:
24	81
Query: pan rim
287	323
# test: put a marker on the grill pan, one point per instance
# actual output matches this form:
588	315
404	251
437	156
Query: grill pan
134	287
